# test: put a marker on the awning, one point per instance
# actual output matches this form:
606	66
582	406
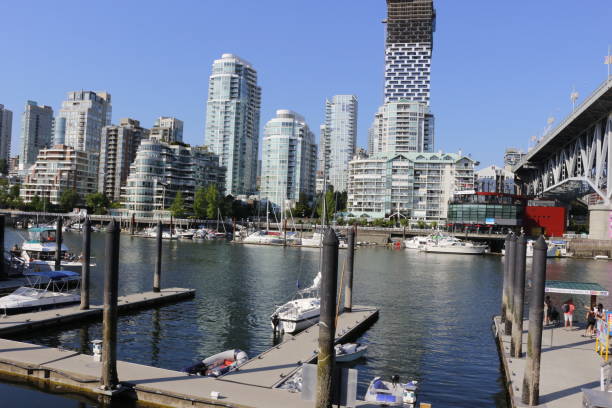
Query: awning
575	288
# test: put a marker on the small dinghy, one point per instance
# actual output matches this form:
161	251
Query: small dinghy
391	393
218	364
349	352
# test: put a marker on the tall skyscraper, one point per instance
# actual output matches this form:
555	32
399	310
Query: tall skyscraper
36	132
232	121
86	113
6	123
401	127
289	159
338	139
167	129
410	27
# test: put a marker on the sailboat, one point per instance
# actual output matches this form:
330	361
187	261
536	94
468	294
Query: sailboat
266	236
301	312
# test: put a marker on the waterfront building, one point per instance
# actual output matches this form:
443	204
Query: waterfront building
6	129
167	129
85	114
161	170
402	127
494	179
417	185
289	157
232	121
512	157
338	139
36	132
57	169
117	152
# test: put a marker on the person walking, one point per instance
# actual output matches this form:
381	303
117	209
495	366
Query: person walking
590	318
548	308
568	313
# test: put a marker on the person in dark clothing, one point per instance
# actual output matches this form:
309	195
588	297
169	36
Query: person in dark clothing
590	318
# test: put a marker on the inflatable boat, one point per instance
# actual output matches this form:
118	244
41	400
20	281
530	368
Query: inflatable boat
349	352
218	364
391	393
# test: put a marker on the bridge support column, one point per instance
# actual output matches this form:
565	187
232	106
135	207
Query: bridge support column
600	221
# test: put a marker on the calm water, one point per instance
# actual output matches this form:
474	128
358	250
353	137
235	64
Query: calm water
434	326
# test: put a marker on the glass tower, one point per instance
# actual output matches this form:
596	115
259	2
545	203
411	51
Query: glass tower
36	132
6	123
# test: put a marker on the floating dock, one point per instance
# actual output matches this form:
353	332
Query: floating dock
569	363
252	386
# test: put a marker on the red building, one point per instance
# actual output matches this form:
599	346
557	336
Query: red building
544	217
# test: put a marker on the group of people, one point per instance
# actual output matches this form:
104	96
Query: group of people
594	313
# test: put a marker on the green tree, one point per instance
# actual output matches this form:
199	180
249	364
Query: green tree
178	206
14	190
212	201
421	224
36	204
330	205
69	199
97	202
199	203
302	209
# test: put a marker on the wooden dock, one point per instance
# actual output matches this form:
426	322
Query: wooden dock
252	386
19	323
569	363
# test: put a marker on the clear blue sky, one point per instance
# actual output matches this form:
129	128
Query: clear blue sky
500	68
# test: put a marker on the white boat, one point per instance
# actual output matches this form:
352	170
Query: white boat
184	233
218	364
451	245
350	352
41	247
417	242
264	237
299	313
601	257
391	393
152	233
315	242
55	293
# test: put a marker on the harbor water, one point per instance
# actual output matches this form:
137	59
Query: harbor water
434	326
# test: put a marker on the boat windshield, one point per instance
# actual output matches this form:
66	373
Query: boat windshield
41	234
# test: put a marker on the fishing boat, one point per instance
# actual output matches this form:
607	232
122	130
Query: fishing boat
451	245
350	352
218	364
40	248
301	312
38	295
391	393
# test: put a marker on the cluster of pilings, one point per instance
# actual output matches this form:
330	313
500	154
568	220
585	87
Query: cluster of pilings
513	301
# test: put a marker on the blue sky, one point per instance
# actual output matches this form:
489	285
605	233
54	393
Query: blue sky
499	70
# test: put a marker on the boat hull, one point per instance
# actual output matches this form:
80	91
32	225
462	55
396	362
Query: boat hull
456	250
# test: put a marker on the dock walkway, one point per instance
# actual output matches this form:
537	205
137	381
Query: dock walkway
569	363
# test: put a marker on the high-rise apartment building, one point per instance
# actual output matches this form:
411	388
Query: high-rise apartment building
402	127
289	160
409	43
167	129
117	152
36	132
232	121
86	113
6	129
512	157
338	139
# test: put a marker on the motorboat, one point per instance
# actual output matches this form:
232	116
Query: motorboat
299	313
391	393
218	364
315	242
264	237
38	295
349	352
152	233
417	242
451	245
601	257
40	248
184	233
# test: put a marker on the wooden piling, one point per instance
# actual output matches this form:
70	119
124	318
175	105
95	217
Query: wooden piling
327	327
531	380
510	257
109	322
85	259
516	343
132	224
158	263
504	304
58	244
350	261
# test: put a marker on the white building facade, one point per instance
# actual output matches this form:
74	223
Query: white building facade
289	160
36	132
6	129
85	114
232	121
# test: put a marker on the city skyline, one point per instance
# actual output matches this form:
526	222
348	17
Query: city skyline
465	74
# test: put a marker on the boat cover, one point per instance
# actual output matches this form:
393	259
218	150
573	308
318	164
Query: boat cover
53	274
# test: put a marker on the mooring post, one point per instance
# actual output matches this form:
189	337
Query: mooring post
233	228
505	281
85	259
404	233
58	244
511	257
350	261
531	380
516	343
3	271
327	324
158	264
109	323
285	232
133	224
171	226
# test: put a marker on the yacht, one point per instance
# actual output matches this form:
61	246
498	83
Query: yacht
40	248
451	245
417	242
301	312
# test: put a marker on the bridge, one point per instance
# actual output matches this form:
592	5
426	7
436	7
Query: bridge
575	159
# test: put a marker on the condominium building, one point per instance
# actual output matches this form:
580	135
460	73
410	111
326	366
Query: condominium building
338	139
408	49
289	160
494	179
117	152
161	170
232	121
417	185
85	113
6	124
58	169
512	157
402	127
167	129
36	132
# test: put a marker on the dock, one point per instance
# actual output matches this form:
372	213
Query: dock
569	363
252	386
19	323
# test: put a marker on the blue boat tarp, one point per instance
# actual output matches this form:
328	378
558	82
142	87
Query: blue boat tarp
54	274
40	229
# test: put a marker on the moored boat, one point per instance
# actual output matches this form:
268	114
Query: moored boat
41	247
299	313
218	364
350	352
451	245
391	393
